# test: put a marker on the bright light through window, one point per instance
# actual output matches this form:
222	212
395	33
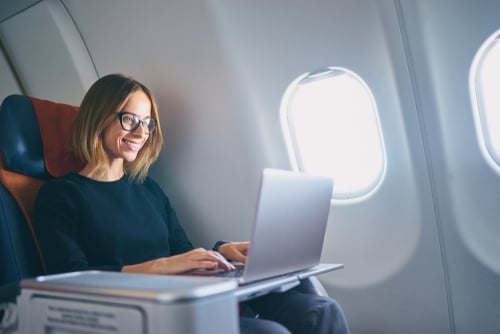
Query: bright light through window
330	121
485	80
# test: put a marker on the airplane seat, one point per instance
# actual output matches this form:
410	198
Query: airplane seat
33	137
26	162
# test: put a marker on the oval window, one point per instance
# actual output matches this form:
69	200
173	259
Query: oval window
484	83
331	126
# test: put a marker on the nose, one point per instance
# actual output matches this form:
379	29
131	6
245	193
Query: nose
141	130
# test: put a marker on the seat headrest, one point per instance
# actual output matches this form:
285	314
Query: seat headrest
55	121
34	136
20	138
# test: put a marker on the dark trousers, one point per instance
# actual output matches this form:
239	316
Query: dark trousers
294	312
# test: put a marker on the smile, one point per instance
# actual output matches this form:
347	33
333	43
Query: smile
132	144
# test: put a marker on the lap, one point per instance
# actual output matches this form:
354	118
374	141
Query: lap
302	312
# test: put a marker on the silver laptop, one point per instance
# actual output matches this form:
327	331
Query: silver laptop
289	228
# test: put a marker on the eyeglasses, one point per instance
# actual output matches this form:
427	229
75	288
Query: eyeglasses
130	122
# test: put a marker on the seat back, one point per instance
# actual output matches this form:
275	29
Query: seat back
33	137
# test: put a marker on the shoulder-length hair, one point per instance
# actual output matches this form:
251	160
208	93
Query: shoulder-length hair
99	108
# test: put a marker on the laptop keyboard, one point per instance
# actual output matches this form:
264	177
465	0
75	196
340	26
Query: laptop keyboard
238	272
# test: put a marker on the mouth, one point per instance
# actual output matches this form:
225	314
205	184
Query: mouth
134	145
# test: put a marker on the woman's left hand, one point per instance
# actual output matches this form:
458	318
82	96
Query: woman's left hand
235	251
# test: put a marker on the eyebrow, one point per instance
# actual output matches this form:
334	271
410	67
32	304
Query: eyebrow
129	112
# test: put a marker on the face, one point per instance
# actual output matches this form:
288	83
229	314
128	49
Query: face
125	145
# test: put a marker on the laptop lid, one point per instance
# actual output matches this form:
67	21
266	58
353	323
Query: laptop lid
289	225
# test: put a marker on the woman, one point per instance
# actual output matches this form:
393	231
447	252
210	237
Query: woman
112	216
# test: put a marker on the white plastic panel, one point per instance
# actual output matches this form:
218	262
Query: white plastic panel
48	53
8	82
465	184
220	77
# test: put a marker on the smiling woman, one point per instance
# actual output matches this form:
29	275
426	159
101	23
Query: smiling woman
101	115
122	141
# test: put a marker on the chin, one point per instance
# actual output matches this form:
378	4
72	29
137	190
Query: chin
130	158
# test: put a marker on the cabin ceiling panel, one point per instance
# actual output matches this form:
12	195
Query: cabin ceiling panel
12	7
47	53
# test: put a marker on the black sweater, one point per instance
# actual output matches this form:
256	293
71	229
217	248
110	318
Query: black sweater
84	224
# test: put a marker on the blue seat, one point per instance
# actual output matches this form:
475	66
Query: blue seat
23	165
33	135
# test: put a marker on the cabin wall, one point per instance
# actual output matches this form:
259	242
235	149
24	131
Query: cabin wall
418	253
465	186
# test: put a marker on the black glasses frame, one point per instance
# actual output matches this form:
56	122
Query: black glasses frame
150	123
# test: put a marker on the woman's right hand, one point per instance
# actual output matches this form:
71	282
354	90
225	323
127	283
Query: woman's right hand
198	258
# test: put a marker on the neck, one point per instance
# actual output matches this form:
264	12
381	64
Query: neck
102	174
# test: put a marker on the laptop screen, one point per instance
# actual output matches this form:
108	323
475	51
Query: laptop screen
290	223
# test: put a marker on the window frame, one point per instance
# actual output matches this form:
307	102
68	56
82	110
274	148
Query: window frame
291	141
483	127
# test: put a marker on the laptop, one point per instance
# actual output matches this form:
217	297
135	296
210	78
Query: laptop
288	232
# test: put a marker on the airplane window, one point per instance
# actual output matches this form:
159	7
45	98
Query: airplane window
484	83
330	122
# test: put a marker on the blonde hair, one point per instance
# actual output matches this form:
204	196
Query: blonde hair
105	98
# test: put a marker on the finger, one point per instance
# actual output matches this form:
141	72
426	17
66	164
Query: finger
207	265
240	257
236	251
236	254
210	259
223	262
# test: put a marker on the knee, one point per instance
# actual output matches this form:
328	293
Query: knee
327	317
333	308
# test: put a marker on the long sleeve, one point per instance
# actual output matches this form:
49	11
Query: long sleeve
84	224
57	228
179	242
